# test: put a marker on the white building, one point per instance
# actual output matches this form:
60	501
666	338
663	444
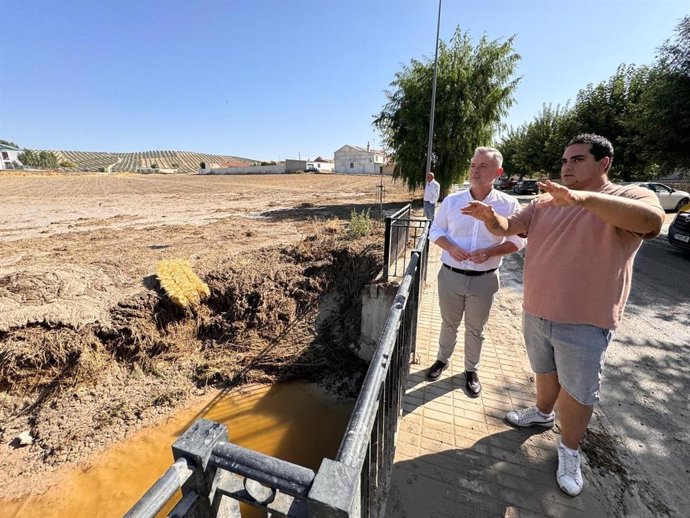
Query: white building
322	164
9	156
357	160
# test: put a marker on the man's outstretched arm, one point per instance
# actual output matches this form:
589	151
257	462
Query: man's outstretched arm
495	223
625	213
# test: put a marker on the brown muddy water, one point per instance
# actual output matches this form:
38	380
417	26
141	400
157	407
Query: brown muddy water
295	422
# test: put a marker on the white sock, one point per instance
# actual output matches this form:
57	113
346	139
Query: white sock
573	452
543	414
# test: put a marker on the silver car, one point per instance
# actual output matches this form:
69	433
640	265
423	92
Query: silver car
670	198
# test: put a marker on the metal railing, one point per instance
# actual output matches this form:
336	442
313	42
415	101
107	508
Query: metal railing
395	241
215	475
401	235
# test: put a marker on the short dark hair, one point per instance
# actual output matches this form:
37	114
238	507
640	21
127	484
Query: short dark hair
599	146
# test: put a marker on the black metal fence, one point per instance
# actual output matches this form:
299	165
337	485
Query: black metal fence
215	475
401	235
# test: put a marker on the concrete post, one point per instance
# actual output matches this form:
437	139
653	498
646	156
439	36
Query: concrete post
377	300
196	445
335	492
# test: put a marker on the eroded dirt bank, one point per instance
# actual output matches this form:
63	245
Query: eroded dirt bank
77	390
90	350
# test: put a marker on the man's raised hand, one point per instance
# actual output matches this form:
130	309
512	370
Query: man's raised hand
559	195
479	210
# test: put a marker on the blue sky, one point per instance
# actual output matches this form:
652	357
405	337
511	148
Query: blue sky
279	79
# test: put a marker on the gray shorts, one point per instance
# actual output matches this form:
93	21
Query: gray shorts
575	352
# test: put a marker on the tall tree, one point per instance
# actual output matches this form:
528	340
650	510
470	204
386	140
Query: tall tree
475	86
511	146
609	109
665	107
534	148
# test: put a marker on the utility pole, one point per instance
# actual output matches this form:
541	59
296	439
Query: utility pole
433	97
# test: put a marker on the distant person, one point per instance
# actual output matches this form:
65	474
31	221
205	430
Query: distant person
432	191
468	279
583	237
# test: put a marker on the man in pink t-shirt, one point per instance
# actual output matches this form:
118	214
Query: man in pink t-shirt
582	240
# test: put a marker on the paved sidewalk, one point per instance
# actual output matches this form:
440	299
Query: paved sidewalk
455	455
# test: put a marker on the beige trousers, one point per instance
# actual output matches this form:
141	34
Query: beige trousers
472	297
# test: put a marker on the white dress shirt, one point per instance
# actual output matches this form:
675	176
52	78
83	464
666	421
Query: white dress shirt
432	191
469	233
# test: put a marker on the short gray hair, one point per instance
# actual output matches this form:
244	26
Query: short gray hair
491	151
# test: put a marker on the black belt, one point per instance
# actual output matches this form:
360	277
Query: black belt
469	273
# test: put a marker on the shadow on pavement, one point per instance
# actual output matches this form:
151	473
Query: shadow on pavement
503	474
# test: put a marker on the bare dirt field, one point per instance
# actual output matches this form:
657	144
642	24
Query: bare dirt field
91	350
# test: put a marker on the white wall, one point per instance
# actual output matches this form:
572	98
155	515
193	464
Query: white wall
358	162
290	166
6	163
322	166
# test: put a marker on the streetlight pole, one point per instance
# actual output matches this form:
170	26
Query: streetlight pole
433	97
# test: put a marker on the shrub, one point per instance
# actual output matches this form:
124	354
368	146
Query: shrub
360	223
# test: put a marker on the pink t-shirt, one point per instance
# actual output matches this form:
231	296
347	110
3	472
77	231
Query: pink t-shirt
578	269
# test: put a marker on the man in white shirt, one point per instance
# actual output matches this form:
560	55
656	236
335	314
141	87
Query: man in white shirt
432	191
468	279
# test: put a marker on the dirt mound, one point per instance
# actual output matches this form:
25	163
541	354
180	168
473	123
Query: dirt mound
279	313
63	295
35	359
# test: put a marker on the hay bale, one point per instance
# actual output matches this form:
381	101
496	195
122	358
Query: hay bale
182	286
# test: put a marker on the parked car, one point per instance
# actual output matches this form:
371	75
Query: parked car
311	169
679	231
526	187
507	184
670	198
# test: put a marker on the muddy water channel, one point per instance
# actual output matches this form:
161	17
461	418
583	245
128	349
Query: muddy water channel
295	422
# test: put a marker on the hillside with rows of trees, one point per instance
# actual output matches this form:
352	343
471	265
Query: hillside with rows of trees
148	161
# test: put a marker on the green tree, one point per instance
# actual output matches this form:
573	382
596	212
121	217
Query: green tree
535	148
8	143
664	111
610	109
475	87
644	111
47	160
42	159
28	157
511	146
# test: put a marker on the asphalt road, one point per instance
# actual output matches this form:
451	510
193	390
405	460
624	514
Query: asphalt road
647	376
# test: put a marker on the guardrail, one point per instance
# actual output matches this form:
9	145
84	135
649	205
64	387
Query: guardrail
401	232
215	475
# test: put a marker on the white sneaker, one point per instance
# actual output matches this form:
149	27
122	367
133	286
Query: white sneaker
569	474
530	416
